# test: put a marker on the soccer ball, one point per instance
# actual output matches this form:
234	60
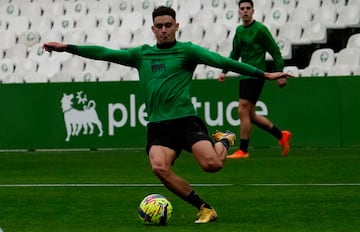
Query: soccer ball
155	209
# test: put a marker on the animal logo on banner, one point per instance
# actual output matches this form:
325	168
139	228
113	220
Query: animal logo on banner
82	118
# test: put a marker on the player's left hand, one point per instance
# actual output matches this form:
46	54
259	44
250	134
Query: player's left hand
282	82
277	75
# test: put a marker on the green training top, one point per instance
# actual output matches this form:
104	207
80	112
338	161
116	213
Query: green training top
251	43
165	73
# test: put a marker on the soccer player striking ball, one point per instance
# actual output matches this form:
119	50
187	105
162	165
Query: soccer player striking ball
251	42
165	72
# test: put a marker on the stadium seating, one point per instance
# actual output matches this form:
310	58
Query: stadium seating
61	76
87	21
145	7
7	66
326	15
216	6
340	70
16	52
9	39
288	5
338	4
132	21
292	31
175	4
353	41
74	64
26	24
110	75
206	72
76	36
85	76
205	17
26	66
76	9
29	38
309	5
192	7
293	70
349	57
143	36
120	7
55	9
192	32
324	57
300	15
35	77
313	71
276	17
315	32
229	18
9	10
120	38
13	78
63	23
110	22
348	17
225	47
97	36
353	2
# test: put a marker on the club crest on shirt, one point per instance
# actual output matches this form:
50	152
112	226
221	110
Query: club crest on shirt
157	66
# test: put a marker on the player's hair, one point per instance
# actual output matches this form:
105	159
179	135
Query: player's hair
163	10
249	1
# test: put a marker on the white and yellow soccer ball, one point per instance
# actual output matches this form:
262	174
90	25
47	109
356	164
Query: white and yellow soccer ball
155	209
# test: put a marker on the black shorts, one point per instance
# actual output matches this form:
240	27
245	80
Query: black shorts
177	134
250	89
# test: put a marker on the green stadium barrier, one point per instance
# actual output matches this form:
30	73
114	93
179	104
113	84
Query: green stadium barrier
318	111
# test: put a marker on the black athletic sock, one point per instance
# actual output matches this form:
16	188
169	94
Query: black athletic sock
226	143
244	144
275	132
196	201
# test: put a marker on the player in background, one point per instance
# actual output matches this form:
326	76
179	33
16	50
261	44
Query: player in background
251	42
165	72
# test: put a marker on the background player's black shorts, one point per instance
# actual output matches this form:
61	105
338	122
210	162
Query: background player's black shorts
250	89
177	134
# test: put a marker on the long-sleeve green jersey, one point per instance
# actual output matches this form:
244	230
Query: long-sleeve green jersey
251	43
165	73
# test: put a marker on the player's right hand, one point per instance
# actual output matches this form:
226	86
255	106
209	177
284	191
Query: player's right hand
54	46
221	77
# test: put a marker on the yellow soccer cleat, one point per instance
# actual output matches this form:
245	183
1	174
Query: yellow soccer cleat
206	215
228	135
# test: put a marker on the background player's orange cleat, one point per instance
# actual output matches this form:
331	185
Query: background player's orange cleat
239	154
285	142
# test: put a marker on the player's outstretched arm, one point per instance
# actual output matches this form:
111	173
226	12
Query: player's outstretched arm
55	46
277	75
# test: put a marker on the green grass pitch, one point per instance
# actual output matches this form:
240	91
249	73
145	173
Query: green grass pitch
98	191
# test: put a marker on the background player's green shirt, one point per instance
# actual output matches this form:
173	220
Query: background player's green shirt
251	43
165	73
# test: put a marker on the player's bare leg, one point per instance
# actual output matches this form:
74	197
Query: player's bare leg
161	159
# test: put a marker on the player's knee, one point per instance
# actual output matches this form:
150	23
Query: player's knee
212	166
160	171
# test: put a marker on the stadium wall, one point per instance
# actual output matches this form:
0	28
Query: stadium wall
92	115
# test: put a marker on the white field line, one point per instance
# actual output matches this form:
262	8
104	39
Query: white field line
103	185
160	185
296	185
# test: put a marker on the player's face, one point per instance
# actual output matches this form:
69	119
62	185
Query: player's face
246	12
165	28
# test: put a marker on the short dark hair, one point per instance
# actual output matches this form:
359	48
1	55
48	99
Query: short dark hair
249	1
163	10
